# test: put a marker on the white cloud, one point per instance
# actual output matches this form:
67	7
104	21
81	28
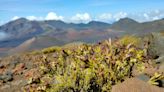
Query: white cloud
31	18
15	18
81	18
140	16
156	18
34	18
53	16
50	16
108	17
146	16
155	15
105	16
120	15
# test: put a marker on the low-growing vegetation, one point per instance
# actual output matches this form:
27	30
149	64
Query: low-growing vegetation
90	68
50	49
130	39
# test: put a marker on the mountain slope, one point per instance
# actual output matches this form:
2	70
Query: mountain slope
36	43
126	24
132	26
21	30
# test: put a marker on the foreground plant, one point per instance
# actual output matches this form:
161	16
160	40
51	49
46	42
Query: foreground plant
154	80
90	68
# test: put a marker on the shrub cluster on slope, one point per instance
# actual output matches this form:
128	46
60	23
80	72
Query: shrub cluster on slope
90	68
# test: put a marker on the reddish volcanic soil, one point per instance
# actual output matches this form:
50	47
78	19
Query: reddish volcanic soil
4	49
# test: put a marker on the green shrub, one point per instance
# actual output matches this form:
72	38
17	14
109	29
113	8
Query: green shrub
154	80
35	52
130	39
91	68
50	49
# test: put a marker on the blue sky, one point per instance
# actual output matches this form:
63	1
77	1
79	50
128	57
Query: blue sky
81	10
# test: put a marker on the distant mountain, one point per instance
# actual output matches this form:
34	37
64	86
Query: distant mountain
132	26
19	31
22	29
125	24
98	24
152	26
